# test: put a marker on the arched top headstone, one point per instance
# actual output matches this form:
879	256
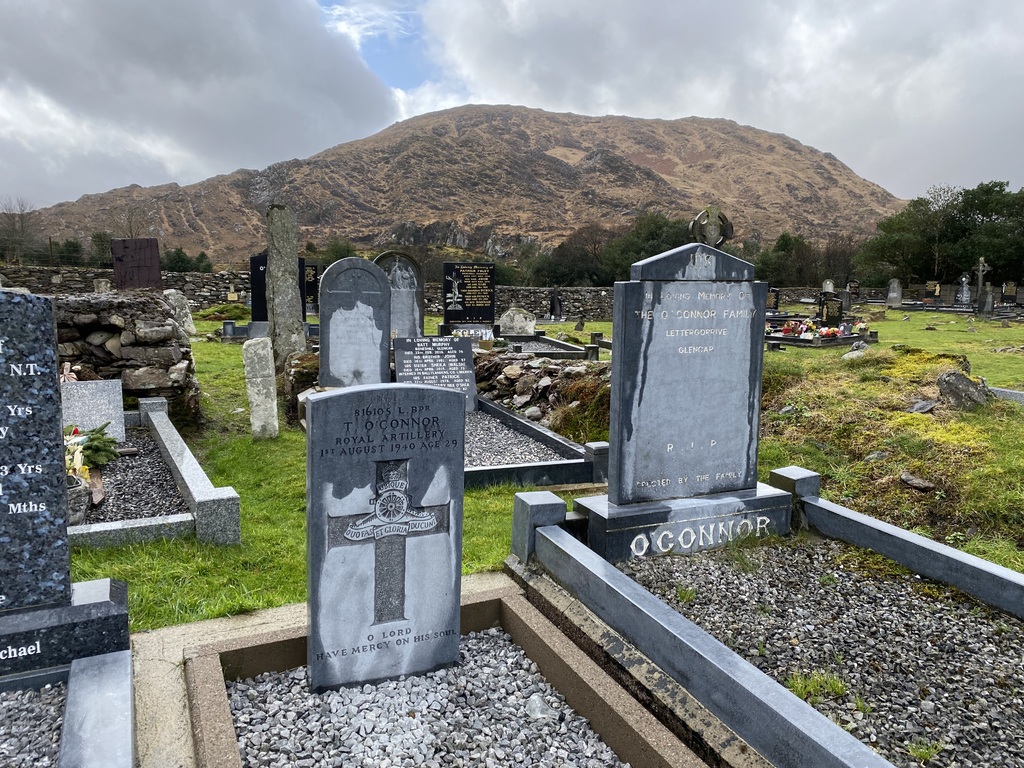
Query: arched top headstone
406	283
355	324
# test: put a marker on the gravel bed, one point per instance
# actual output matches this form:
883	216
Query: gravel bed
923	665
537	346
30	723
490	443
138	486
494	709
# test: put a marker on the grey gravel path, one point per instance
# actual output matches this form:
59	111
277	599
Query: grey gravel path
475	714
538	347
490	443
923	665
30	723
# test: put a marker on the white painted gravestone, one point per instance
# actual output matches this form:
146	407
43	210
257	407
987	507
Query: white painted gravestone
355	324
384	486
686	391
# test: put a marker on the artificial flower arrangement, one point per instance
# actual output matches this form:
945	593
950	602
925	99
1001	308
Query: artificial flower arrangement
829	333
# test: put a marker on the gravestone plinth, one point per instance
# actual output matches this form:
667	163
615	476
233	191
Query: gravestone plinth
355	324
384	486
406	294
685	407
440	361
45	621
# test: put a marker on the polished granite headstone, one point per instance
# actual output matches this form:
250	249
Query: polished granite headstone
45	621
384	484
441	361
91	404
355	324
685	408
406	294
258	287
136	263
468	293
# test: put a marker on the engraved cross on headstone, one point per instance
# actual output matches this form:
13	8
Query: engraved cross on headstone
358	283
392	520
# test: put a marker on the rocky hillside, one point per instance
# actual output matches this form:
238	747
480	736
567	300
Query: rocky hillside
485	177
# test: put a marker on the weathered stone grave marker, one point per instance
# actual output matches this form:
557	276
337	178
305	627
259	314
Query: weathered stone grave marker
441	361
894	296
285	308
517	322
384	488
686	391
261	387
43	622
355	324
136	263
406	294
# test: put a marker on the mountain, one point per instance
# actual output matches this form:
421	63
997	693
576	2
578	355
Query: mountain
486	177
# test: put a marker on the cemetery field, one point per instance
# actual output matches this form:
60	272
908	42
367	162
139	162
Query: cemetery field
844	419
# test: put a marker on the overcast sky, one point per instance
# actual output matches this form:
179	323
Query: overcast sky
97	94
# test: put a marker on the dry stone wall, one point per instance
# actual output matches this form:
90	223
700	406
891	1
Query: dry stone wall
130	336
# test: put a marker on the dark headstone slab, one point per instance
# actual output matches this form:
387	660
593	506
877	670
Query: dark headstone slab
771	302
258	287
441	361
846	300
555	306
686	377
355	324
854	288
136	263
1009	293
962	298
831	312
310	286
384	486
468	293
406	294
33	505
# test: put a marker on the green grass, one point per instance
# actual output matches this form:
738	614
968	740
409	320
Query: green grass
812	687
686	595
923	750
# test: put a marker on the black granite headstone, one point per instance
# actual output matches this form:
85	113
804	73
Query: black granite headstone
45	621
1009	293
258	287
311	287
33	505
468	293
441	361
136	263
831	312
771	302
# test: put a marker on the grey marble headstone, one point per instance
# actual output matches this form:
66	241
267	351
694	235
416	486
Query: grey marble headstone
963	291
406	294
441	361
261	387
384	486
89	404
518	322
285	310
894	297
33	509
686	376
355	324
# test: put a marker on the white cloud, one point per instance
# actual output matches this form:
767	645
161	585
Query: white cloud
359	21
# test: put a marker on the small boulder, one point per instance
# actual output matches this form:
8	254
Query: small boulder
961	392
917	483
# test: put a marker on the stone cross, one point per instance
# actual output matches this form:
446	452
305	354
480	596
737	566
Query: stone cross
981	268
392	519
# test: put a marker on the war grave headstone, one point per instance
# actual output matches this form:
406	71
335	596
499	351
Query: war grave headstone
468	294
1009	293
963	291
406	294
685	408
831	312
45	621
355	324
90	404
894	296
136	263
384	487
441	361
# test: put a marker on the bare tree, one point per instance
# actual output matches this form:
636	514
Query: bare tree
131	221
18	228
